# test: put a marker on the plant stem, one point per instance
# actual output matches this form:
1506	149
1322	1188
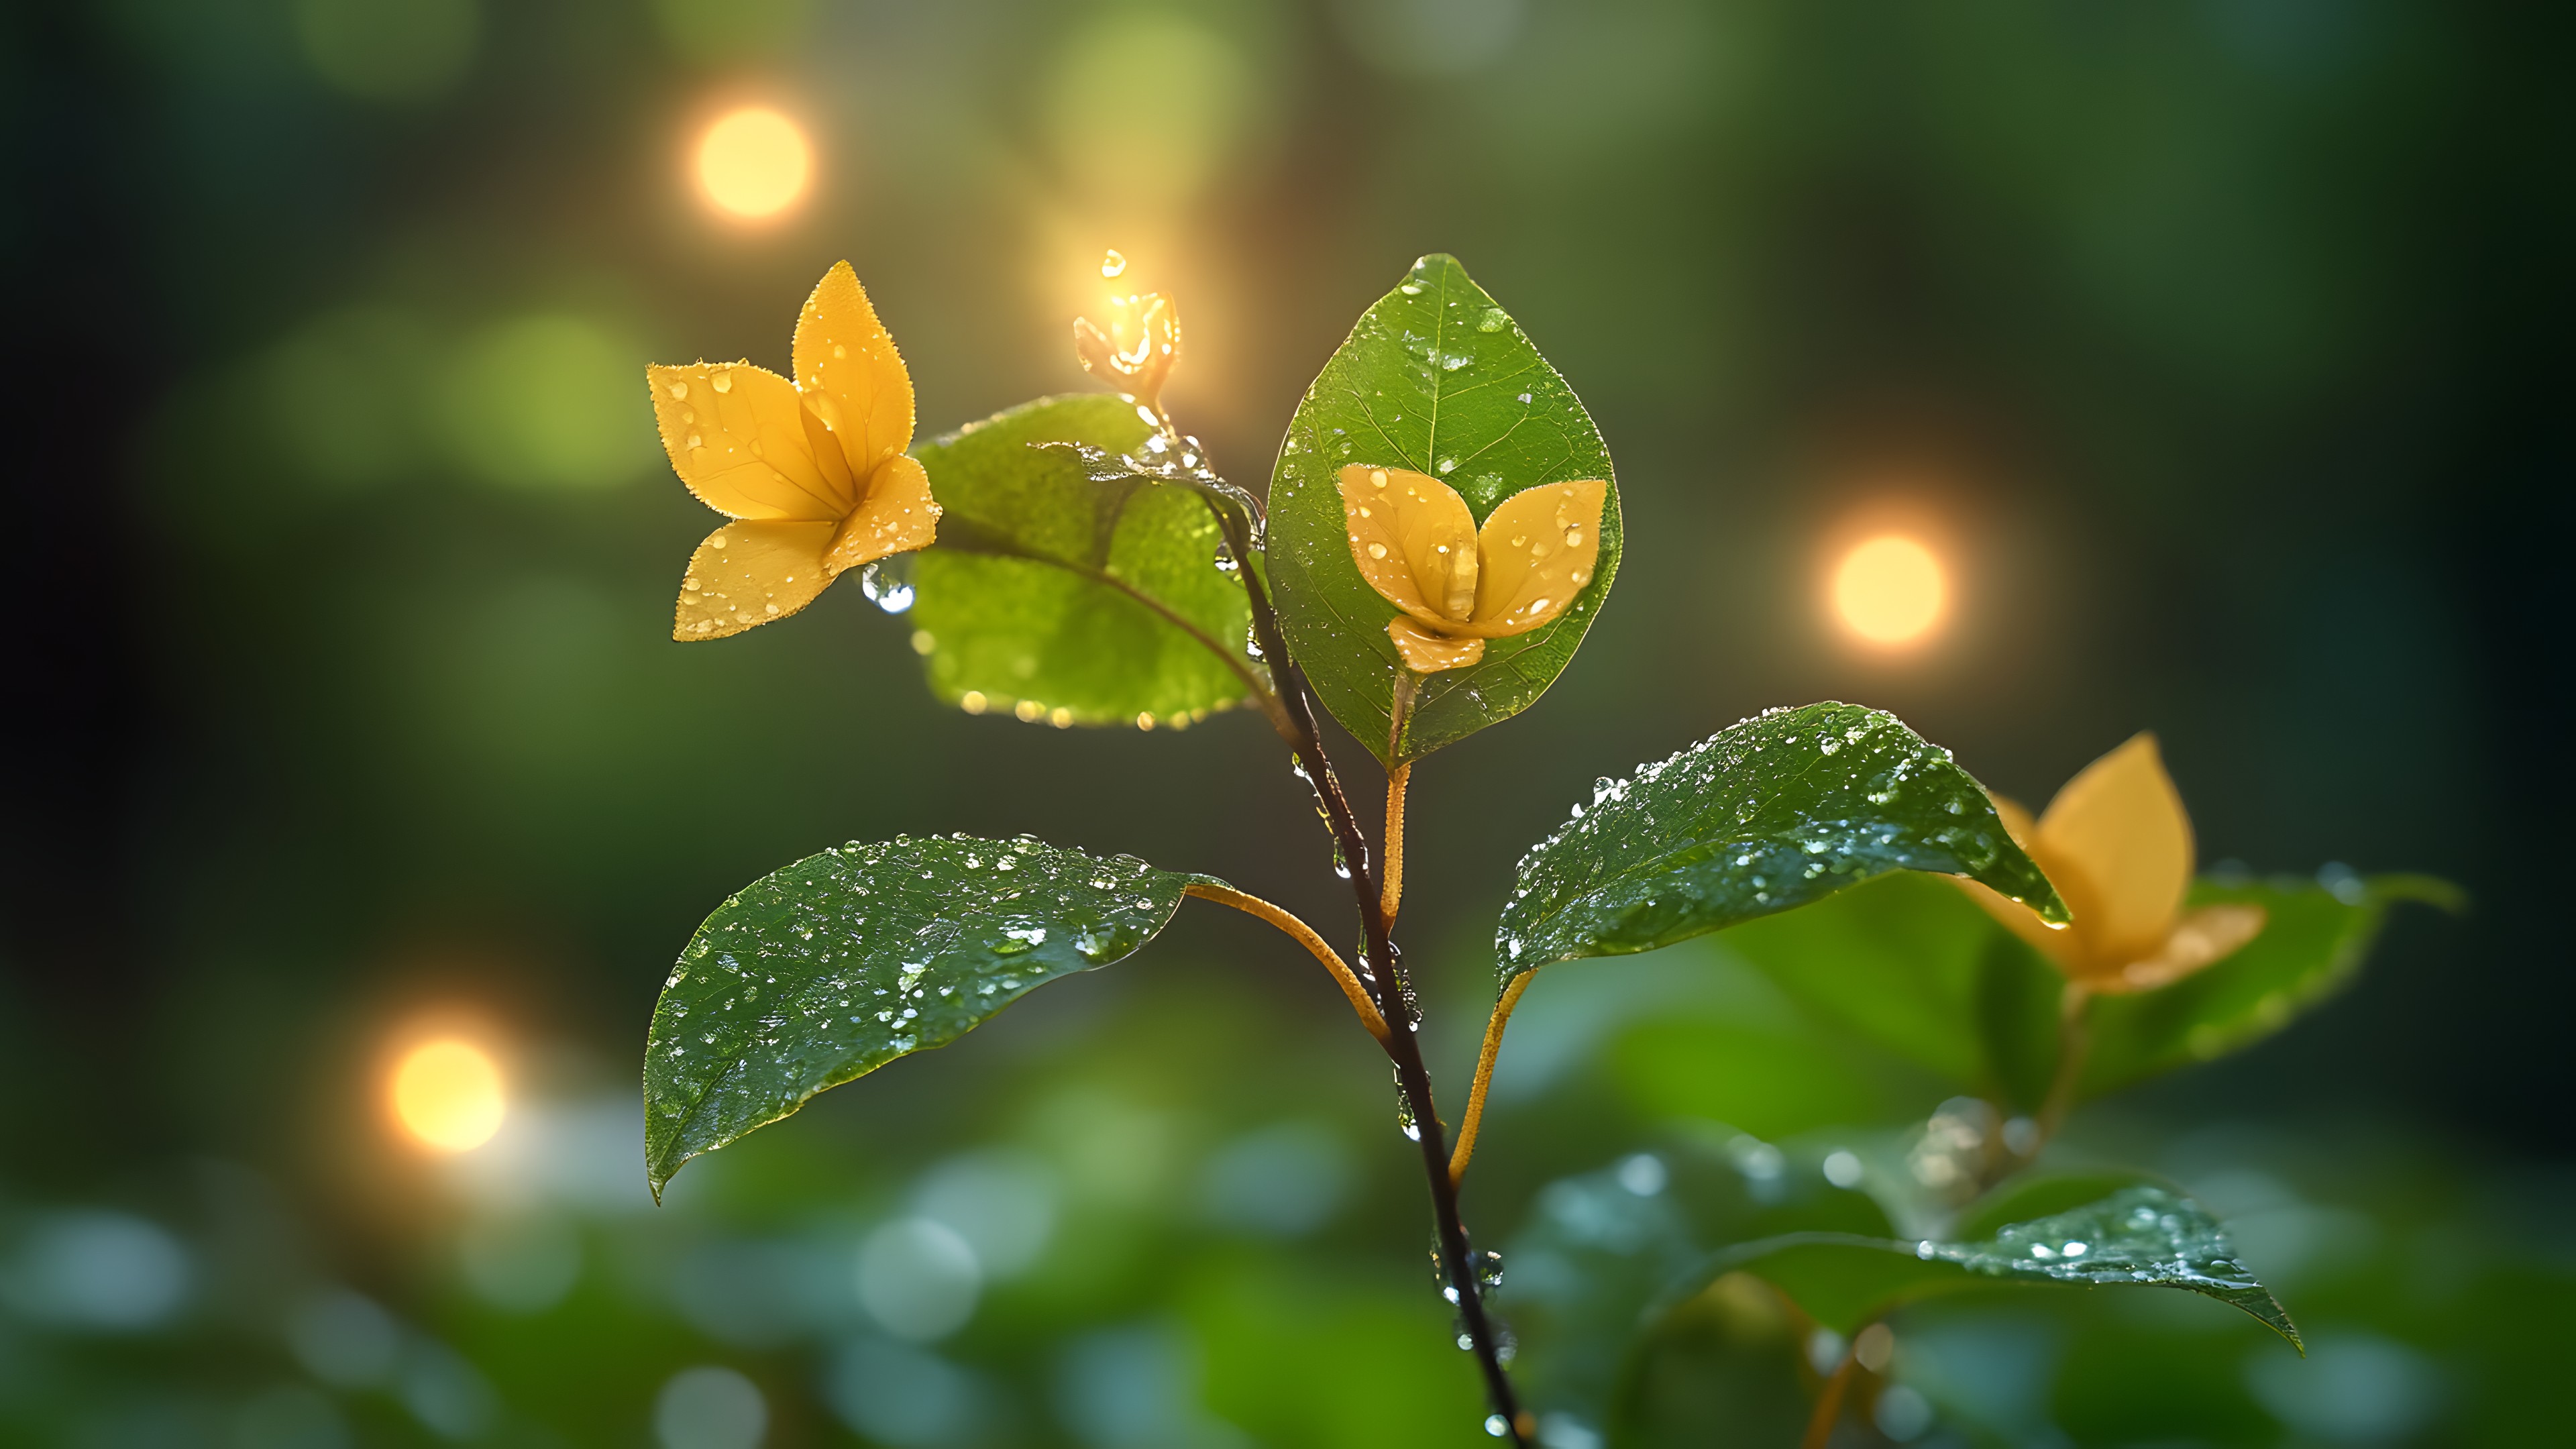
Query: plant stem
1485	1075
1385	976
1304	935
1392	895
1829	1404
2074	1042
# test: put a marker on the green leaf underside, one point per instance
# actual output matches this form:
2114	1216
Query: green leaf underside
2315	938
830	968
1439	379
1773	812
1912	967
1012	598
2138	1237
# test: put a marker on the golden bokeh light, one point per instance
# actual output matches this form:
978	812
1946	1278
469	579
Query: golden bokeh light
1890	590
447	1094
754	162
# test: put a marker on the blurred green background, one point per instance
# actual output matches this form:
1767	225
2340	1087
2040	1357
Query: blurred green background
2219	347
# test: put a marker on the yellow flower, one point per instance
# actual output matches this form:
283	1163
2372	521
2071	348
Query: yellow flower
812	471
1418	546
2117	845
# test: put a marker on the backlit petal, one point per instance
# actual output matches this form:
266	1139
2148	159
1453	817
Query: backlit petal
1425	652
747	574
2203	938
1536	553
1413	539
897	516
848	367
2060	946
2117	845
736	435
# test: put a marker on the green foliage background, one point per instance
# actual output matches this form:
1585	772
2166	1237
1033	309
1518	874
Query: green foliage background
2216	345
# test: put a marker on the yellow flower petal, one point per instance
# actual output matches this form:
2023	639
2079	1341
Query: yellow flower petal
2017	821
747	574
897	517
2117	845
736	435
1536	553
1425	652
849	369
1414	541
2058	945
2203	938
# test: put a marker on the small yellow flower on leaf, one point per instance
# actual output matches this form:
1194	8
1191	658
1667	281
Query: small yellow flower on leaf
812	471
2117	845
1419	547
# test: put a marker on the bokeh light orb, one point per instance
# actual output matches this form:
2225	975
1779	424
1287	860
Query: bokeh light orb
447	1094
1890	590
754	162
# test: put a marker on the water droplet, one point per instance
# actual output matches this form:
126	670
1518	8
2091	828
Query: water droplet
1112	264
722	381
1377	550
888	582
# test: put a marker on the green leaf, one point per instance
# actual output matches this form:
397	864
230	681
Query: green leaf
2141	1236
1774	812
1592	1268
1057	584
1913	968
2316	933
1439	379
834	966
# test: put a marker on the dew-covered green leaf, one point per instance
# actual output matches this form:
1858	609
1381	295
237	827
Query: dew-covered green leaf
1437	378
1057	584
1774	812
2316	933
834	966
2141	1236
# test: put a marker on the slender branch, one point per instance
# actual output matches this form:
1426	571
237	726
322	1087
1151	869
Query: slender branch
1385	975
2074	1043
1485	1075
1392	893
1829	1403
1304	935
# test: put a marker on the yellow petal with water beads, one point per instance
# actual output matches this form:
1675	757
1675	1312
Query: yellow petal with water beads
850	372
736	436
815	467
747	574
1537	551
1414	541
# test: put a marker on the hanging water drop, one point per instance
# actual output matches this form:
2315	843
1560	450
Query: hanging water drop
1404	1122
888	583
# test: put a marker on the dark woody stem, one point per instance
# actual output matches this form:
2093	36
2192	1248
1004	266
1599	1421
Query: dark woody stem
1385	978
